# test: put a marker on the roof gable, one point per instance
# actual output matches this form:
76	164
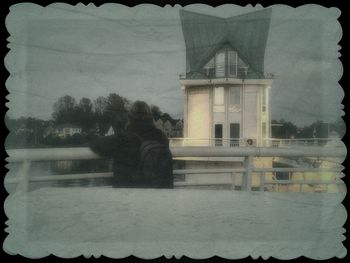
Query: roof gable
247	34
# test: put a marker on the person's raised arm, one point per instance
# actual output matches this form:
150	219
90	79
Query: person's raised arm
104	146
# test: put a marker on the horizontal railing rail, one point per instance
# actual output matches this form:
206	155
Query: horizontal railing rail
242	142
84	153
26	156
236	142
275	142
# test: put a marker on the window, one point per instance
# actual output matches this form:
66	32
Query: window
232	62
234	134
218	134
219	96
281	175
220	64
226	63
235	95
188	68
242	70
209	68
263	127
263	100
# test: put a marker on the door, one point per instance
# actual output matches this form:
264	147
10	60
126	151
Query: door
234	134
218	134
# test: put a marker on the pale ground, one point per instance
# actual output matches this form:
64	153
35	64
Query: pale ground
148	223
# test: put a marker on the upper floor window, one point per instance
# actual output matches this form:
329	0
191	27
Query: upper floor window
235	95
242	69
232	62
220	64
209	68
226	63
219	96
264	100
188	67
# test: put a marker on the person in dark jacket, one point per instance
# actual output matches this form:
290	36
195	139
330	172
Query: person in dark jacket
124	147
141	124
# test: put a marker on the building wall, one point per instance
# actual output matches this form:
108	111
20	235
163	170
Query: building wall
198	124
251	113
201	114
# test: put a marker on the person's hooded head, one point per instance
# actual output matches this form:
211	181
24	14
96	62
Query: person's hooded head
140	116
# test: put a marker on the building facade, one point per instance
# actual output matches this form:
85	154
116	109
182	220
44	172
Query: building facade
171	129
226	93
65	130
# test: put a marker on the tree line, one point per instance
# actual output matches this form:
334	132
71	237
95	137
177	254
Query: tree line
100	113
283	129
95	117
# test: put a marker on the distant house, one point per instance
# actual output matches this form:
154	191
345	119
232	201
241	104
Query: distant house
171	128
64	130
167	128
110	131
159	124
178	129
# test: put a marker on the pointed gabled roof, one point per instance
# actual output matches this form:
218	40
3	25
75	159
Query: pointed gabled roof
205	34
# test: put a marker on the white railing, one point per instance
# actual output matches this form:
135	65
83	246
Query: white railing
244	142
239	142
273	142
26	156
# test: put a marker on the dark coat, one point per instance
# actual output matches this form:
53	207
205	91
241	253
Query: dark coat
147	132
124	149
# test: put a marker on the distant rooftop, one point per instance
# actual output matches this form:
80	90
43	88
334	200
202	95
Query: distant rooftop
67	125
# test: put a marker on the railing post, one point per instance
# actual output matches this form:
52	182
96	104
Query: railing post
23	185
262	181
232	181
247	182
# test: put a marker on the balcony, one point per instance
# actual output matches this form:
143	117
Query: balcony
225	71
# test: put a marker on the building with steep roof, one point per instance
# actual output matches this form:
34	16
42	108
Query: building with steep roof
226	92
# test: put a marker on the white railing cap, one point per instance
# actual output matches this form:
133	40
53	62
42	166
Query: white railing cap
84	153
51	154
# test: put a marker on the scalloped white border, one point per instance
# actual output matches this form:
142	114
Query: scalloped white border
129	249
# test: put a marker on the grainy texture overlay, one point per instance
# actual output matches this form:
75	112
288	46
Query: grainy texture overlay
252	86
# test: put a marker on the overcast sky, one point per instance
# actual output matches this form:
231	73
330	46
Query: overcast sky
139	52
